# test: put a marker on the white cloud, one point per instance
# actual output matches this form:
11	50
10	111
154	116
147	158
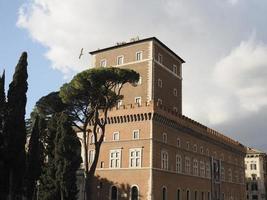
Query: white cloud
242	75
199	31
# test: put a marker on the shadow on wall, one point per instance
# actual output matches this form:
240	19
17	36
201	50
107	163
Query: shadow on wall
105	189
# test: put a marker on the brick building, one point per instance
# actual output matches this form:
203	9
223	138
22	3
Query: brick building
256	174
151	151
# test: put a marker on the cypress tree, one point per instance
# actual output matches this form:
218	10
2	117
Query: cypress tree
3	170
33	159
15	128
67	158
48	189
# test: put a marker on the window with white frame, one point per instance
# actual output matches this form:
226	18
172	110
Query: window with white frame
222	174
92	139
178	163
174	69
139	81
253	166
207	152
201	150
187	145
103	63
159	101
135	157
115	158
164	160
178	142
91	156
119	104
208	169
159	83
116	136
195	148
164	137
202	168
195	167
119	60
136	134
137	100
175	92
187	165
230	175
160	58
139	55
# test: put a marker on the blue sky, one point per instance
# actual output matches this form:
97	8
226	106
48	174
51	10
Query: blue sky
224	43
13	40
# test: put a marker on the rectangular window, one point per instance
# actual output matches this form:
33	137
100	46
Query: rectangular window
187	165
202	168
119	60
222	174
178	142
175	92
103	63
136	134
195	167
139	55
160	59
135	157
174	69
91	156
253	166
159	101
116	136
164	137
164	160
115	158
159	83
178	163
208	169
137	100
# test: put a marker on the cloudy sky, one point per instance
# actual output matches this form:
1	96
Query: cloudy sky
224	43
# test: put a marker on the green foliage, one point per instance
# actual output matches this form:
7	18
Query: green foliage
15	127
3	169
67	158
34	159
48	189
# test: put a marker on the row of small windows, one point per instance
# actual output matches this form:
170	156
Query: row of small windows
196	196
194	148
200	168
120	59
174	67
175	93
114	193
116	136
252	166
115	156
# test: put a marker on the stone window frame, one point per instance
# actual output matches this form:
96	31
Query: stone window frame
116	158
179	163
164	160
164	137
103	63
136	101
116	133
195	167
175	92
118	60
187	165
138	134
140	57
135	157
160	83
160	58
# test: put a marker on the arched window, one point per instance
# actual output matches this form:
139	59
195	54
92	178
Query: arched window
178	194
134	193
114	193
164	193
196	195
187	195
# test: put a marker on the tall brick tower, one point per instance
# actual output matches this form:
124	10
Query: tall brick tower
151	151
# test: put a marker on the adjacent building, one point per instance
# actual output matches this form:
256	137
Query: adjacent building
151	151
255	171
